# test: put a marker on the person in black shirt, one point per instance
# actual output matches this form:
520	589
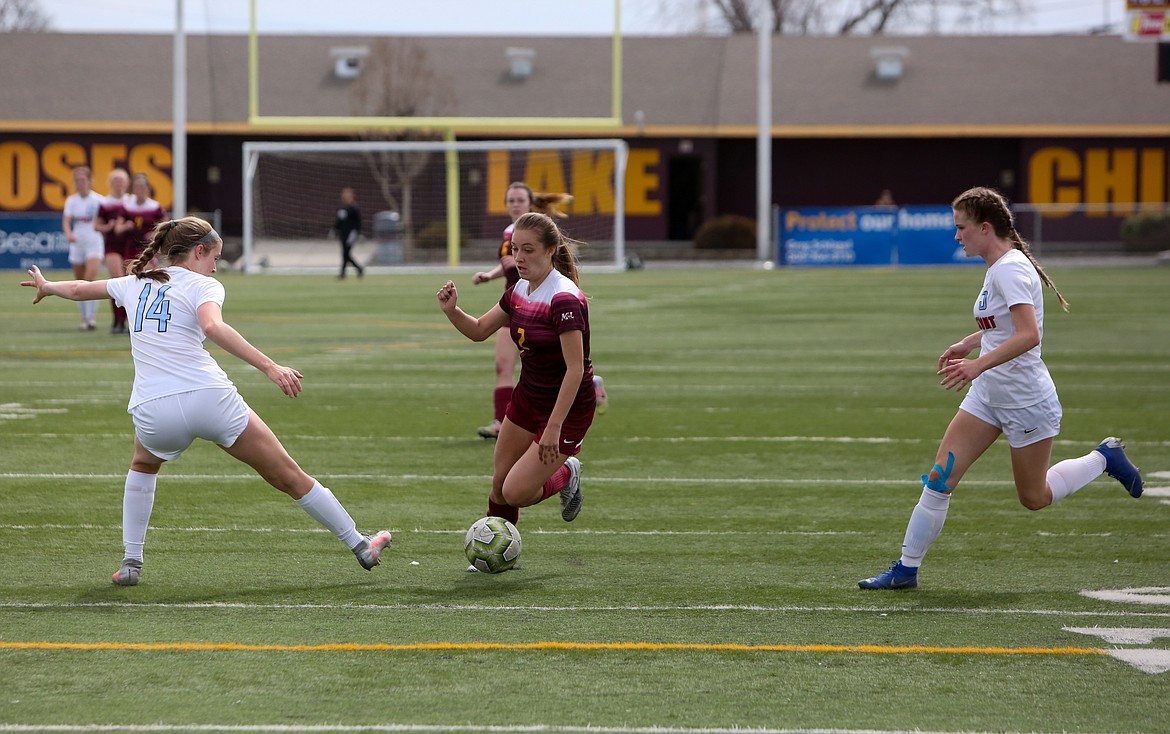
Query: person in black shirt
348	227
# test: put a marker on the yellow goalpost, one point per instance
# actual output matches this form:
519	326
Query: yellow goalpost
445	125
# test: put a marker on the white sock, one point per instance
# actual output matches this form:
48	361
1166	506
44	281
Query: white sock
323	507
137	502
926	522
91	311
1071	474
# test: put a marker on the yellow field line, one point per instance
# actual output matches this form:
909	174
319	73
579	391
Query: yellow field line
583	646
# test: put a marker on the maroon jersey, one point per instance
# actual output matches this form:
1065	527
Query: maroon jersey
537	321
511	274
111	208
146	216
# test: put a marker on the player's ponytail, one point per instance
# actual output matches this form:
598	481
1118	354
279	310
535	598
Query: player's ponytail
982	204
172	241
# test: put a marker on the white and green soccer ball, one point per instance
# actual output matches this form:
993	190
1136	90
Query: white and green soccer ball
492	544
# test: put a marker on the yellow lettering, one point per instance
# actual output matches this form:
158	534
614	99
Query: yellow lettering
498	178
57	162
641	182
19	176
544	172
1153	177
103	158
1111	176
820	222
1049	168
150	159
593	182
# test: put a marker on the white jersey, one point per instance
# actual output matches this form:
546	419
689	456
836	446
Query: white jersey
82	211
166	339
1023	381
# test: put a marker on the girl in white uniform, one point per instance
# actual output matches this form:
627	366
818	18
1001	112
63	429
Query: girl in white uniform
180	393
86	246
1011	391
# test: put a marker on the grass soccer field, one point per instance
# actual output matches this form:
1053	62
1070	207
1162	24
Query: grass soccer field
761	454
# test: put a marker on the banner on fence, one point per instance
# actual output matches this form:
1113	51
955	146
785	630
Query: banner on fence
869	236
33	239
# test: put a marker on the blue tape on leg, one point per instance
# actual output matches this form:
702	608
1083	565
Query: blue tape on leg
940	484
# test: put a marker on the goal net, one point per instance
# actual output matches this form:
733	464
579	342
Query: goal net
429	203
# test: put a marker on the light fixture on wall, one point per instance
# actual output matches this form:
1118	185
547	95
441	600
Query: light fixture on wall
519	62
347	61
889	62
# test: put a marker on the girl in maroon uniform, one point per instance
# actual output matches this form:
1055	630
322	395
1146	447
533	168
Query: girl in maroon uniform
552	405
115	228
519	199
144	212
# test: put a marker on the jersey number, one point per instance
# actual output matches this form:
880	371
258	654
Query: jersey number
520	338
159	309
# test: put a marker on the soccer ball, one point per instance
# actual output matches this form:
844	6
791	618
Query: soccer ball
492	544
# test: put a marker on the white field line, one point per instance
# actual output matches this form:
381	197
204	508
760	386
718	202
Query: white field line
453	531
528	531
579	609
907	482
435	728
875	440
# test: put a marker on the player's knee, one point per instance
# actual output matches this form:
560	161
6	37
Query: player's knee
1034	502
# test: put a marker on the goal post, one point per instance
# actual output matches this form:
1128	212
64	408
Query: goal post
424	203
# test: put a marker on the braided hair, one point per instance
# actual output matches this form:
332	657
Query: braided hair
984	204
172	241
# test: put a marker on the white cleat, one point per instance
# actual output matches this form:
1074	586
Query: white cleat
369	552
571	496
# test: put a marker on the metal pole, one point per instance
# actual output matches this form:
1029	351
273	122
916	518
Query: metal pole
179	132
764	139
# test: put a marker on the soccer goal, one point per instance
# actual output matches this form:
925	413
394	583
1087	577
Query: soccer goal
424	203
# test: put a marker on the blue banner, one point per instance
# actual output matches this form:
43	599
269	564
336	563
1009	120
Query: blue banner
32	239
869	236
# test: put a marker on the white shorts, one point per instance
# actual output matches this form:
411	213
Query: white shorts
166	426
1021	426
87	248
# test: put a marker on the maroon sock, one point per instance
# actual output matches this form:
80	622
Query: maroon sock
502	396
555	483
508	512
119	315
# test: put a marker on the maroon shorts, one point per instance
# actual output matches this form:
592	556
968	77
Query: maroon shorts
532	414
113	248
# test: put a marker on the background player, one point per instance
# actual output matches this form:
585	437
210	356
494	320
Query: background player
348	227
144	214
85	243
115	229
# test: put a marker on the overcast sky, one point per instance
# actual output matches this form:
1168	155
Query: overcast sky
482	17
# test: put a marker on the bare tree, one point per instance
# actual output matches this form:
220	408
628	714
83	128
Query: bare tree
398	80
23	15
853	17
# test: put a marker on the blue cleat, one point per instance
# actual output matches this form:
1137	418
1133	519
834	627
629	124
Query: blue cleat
898	577
1118	466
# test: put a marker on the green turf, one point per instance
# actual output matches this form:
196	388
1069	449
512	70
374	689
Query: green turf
722	507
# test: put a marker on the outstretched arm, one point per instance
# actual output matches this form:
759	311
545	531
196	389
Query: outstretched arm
70	290
232	342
